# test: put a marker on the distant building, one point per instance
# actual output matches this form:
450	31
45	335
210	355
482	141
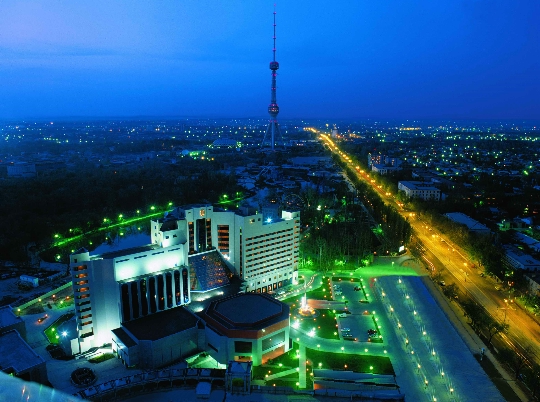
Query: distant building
529	241
418	189
30	280
383	160
472	225
383	169
21	169
515	259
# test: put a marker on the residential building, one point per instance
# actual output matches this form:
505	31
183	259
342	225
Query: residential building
418	189
472	225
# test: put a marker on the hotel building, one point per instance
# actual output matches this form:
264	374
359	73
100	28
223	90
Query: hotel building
192	249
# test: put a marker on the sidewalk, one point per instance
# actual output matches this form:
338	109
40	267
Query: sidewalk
473	342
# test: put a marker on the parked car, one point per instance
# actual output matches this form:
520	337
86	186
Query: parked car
41	319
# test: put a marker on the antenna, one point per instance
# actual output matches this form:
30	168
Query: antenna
273	108
274	49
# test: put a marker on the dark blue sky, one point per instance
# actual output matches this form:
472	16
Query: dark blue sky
455	59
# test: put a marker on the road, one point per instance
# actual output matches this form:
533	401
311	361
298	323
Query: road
524	331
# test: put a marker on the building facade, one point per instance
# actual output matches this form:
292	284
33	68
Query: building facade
247	327
417	189
118	287
260	249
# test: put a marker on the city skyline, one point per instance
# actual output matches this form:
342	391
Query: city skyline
459	60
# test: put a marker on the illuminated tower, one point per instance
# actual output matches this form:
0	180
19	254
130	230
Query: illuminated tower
273	108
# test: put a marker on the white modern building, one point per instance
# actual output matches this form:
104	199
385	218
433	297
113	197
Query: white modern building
192	249
418	189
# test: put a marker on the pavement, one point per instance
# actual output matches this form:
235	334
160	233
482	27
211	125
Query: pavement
453	341
440	356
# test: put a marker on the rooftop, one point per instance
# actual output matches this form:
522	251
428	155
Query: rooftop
128	251
7	317
471	224
16	353
124	337
247	310
162	324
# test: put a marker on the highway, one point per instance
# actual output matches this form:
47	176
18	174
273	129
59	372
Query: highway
523	335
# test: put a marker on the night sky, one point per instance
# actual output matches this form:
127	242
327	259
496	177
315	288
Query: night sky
404	59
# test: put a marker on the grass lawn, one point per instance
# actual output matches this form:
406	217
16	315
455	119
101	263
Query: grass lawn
351	362
260	372
324	324
101	358
345	279
50	332
288	360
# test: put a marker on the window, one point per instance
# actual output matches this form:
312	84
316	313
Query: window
243	347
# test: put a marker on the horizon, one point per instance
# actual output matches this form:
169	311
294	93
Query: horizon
475	60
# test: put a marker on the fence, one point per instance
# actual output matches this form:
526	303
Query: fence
43	296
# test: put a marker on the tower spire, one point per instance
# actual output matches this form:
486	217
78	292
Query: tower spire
273	108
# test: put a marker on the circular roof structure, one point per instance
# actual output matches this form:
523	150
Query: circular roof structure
248	311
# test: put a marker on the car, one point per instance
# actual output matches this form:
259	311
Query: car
345	330
342	315
41	319
371	331
338	293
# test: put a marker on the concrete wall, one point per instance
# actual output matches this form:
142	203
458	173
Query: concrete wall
162	352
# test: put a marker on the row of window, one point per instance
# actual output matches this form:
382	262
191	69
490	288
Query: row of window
268	234
285	246
267	244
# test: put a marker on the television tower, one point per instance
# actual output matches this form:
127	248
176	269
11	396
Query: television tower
273	108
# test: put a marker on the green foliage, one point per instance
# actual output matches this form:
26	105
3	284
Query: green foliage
79	199
102	358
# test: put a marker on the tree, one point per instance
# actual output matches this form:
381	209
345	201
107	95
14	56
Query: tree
516	360
450	291
494	327
475	313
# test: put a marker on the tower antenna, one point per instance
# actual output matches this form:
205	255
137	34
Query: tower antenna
273	108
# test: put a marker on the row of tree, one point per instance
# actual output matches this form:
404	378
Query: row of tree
78	200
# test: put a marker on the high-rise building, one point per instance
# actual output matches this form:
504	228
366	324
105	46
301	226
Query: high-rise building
192	249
